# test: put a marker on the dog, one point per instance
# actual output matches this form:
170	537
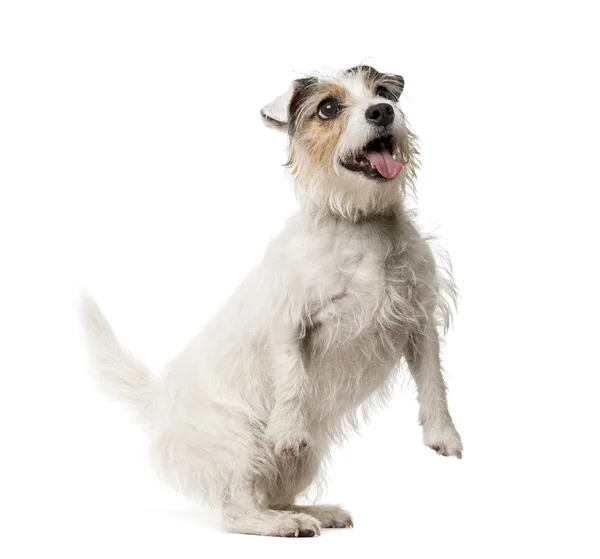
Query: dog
347	294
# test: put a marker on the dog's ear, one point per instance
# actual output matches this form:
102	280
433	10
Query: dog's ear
277	113
395	83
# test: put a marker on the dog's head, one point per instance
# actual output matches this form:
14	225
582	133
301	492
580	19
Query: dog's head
350	146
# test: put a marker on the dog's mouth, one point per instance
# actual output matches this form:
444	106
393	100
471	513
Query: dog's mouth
377	160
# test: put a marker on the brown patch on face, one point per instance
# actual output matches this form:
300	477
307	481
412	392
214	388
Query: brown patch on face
315	137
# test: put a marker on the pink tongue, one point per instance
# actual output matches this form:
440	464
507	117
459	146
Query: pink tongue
383	161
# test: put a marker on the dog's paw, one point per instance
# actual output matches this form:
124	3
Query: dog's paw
444	439
289	445
297	526
333	517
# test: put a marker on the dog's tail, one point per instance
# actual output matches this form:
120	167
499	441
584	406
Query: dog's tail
118	373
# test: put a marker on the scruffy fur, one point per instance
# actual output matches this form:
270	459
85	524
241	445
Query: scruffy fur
244	417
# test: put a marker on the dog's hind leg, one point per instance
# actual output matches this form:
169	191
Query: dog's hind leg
330	516
243	514
294	477
183	460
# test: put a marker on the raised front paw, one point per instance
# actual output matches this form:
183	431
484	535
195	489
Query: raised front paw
288	444
443	438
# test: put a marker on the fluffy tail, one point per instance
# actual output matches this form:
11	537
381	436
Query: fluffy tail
118	373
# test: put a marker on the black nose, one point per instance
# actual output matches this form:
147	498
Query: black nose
381	114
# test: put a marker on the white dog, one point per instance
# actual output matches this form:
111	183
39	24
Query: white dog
245	415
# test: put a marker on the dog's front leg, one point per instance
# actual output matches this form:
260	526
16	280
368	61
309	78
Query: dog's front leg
423	357
287	429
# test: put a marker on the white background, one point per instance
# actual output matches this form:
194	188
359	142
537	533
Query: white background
133	162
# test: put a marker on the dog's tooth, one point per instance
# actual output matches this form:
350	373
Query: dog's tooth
394	156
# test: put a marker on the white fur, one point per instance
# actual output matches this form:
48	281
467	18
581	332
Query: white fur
277	110
244	417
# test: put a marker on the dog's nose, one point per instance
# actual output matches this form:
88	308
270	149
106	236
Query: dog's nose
381	114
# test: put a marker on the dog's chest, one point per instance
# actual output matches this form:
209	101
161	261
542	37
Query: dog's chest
366	287
360	324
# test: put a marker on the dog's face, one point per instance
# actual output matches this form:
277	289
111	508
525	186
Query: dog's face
349	142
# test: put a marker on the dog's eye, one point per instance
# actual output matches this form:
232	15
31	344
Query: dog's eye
328	109
385	93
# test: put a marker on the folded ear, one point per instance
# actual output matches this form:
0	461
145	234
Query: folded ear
277	113
395	84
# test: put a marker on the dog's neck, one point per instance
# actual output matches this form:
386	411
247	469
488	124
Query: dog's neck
326	209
